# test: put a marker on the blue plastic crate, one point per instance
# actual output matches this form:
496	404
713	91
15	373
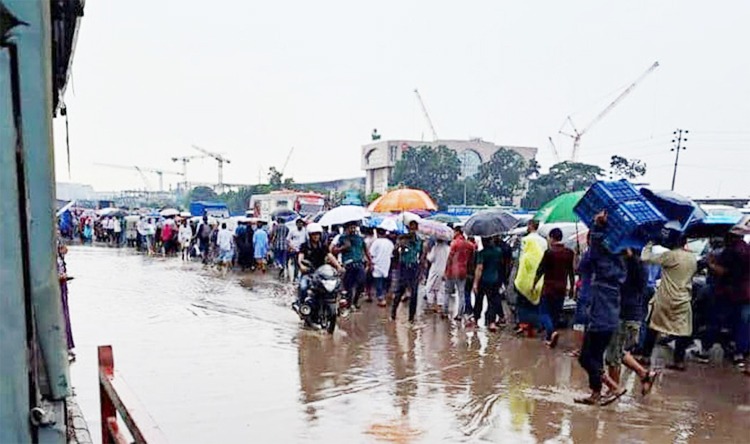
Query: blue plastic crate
632	219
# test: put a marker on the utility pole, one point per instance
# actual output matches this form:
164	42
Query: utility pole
679	138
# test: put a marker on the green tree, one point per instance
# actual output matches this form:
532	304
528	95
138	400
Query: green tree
562	178
275	178
621	167
503	176
202	193
371	198
434	170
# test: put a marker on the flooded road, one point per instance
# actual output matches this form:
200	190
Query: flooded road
223	359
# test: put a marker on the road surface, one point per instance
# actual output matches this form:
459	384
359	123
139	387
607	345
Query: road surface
218	358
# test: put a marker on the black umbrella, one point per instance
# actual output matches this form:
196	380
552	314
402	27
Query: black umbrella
489	223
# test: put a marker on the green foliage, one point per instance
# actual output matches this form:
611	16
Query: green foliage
202	193
277	181
239	201
621	167
562	178
371	198
503	176
434	170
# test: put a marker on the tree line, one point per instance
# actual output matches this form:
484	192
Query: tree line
506	176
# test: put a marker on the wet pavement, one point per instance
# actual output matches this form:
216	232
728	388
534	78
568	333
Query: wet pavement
217	358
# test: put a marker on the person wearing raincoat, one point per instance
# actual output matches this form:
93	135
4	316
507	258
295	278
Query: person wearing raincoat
533	247
671	308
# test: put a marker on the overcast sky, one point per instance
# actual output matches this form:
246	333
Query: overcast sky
253	79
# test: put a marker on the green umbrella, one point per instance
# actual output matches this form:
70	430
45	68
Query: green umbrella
560	209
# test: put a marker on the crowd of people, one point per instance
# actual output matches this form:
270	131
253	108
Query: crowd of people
625	303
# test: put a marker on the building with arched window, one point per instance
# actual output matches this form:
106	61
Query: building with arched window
379	157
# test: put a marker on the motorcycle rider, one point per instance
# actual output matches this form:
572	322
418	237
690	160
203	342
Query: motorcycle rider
353	250
312	255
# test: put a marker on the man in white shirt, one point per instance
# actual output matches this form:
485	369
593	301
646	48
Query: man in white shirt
224	241
381	252
296	237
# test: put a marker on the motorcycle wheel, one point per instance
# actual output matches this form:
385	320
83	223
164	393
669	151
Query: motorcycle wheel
331	318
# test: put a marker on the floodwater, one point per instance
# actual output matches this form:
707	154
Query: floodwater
223	359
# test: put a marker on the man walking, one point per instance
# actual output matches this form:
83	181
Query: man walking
381	252
456	271
607	277
559	279
279	245
487	281
409	252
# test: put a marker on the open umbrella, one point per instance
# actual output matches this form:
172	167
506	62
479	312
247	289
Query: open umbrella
402	199
169	212
560	209
678	209
489	223
343	214
445	218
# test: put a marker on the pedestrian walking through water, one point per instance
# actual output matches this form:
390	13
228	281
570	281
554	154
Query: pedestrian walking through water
604	313
559	280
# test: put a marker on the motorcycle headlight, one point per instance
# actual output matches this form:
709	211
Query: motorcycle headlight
330	284
305	310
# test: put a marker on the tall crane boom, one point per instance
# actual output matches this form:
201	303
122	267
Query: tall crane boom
426	114
141	170
286	162
221	160
577	134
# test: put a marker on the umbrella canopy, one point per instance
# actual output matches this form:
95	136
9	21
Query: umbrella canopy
438	230
169	212
489	223
560	209
445	218
343	214
675	207
285	214
390	224
402	199
718	220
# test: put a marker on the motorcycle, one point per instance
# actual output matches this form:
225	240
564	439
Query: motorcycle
321	303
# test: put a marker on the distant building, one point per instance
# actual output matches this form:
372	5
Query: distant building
338	185
379	157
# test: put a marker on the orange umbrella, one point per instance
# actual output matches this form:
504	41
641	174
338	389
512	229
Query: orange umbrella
402	199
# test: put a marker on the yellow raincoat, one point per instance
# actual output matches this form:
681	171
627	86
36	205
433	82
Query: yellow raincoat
532	251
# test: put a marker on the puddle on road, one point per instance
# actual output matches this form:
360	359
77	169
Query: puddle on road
228	352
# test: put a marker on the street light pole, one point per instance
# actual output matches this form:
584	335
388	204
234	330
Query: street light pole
677	148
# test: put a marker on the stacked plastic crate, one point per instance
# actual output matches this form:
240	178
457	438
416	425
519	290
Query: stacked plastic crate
632	220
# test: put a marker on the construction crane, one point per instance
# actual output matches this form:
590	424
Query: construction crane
426	114
554	149
141	170
185	160
286	162
221	160
577	134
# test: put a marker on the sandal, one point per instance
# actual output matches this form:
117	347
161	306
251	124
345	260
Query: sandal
612	398
589	400
647	382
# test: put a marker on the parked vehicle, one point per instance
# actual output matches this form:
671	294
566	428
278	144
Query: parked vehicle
303	203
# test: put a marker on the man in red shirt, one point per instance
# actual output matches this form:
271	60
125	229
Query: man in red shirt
460	256
557	269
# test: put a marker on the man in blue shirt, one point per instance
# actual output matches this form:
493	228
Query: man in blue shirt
356	259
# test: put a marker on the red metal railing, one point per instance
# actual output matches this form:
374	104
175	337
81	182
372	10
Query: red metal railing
116	397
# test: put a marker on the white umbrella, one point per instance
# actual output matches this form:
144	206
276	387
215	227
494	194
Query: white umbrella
388	224
169	212
343	214
185	214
